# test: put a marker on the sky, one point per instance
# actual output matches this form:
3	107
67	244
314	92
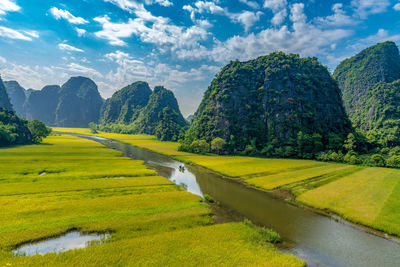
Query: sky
180	44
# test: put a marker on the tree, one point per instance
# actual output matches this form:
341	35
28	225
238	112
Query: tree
377	160
394	161
350	143
218	145
200	146
93	127
39	130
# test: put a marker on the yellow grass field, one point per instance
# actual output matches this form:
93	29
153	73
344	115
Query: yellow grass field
70	183
366	195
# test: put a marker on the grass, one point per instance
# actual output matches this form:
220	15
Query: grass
366	195
70	183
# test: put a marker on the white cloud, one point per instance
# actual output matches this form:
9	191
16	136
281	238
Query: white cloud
381	36
339	17
150	29
67	47
252	4
303	37
80	32
13	34
246	18
279	8
396	7
65	14
3	60
275	5
76	68
33	34
279	17
364	8
132	5
8	6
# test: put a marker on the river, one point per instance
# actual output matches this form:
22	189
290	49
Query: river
318	239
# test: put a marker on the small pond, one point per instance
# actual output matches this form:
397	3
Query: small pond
71	240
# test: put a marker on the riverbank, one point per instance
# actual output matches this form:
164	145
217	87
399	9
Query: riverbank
363	195
73	184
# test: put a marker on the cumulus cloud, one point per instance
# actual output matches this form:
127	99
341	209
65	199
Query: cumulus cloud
246	18
381	36
303	37
339	17
364	8
279	8
76	68
396	7
151	29
8	6
67	47
65	14
132	5
80	32
275	5
252	4
14	34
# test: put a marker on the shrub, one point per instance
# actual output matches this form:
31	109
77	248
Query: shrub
393	161
39	130
200	146
93	127
265	233
377	160
250	150
218	145
208	198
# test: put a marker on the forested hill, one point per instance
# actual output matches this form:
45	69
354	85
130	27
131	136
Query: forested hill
4	99
275	104
17	96
370	85
125	105
136	109
74	104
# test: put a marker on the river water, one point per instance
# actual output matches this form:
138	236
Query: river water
320	240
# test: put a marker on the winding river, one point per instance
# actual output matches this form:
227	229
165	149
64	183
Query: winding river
320	240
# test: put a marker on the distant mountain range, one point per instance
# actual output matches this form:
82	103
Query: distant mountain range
267	103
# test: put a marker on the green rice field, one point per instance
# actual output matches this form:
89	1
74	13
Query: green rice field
365	195
69	183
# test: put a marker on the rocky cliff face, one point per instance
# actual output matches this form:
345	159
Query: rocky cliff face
125	105
4	99
17	96
370	85
268	102
79	103
75	104
42	104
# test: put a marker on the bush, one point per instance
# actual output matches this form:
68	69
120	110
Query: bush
250	150
218	145
39	130
393	161
208	198
200	146
265	233
377	160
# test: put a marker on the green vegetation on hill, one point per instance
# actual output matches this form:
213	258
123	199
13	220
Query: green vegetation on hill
125	105
136	109
67	184
17	96
276	105
13	130
371	93
4	99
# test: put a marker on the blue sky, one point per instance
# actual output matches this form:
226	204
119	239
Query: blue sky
179	44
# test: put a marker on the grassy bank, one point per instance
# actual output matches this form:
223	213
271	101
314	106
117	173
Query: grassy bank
69	183
365	195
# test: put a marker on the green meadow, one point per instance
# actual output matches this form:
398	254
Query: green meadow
69	183
364	195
